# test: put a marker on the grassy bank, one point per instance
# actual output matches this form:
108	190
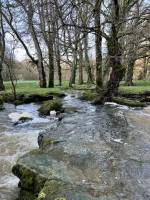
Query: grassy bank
29	91
30	87
138	87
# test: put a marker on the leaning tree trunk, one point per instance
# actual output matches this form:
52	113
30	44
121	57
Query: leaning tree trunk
129	73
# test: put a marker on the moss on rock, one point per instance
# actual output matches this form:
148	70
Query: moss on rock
128	102
29	180
48	106
88	96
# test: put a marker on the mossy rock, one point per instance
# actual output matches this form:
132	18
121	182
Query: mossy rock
128	102
88	96
46	142
58	190
25	195
25	119
48	106
29	180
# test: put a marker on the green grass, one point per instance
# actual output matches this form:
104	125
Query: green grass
139	87
30	87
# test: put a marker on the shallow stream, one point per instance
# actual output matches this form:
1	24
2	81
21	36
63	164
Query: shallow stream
118	137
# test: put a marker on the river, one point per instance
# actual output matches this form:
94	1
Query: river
113	131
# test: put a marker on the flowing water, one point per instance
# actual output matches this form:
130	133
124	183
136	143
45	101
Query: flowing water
115	138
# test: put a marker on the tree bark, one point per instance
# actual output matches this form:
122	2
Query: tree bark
58	57
51	66
40	65
73	69
98	45
118	71
87	61
129	73
2	49
80	64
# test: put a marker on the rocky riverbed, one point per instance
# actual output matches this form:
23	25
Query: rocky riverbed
95	153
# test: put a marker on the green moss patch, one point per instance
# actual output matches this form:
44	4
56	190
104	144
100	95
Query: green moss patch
128	102
88	96
48	106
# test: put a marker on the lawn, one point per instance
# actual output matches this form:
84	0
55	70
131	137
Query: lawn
30	87
139	87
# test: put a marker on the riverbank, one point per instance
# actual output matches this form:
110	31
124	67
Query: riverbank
29	91
134	96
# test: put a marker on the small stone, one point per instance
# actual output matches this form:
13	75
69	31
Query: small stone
53	113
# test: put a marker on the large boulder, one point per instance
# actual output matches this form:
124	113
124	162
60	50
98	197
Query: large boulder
51	174
51	105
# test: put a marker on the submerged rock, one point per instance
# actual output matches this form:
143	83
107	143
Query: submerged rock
51	105
20	118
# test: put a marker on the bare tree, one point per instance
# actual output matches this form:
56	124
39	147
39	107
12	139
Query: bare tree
2	48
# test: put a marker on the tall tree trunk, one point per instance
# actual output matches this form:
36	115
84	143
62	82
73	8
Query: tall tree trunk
2	49
41	72
117	72
73	69
114	55
40	66
87	61
58	65
80	64
129	73
145	68
98	45
1	79
51	67
57	50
